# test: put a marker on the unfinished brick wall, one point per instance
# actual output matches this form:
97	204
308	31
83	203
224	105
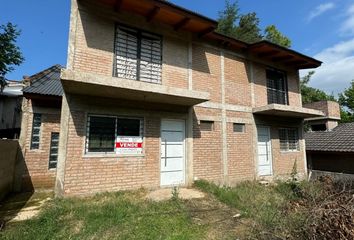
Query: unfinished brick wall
237	82
207	147
36	170
330	108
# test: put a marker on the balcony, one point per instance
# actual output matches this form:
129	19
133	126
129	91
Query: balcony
287	111
75	82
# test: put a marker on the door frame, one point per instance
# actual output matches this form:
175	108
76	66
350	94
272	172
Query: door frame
270	152
184	151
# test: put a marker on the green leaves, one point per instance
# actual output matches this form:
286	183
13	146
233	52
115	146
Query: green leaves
245	27
10	54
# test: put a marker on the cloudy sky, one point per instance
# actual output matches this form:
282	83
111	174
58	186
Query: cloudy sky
321	29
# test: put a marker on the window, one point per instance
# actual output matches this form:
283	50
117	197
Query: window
276	87
289	139
239	127
103	131
53	153
138	55
36	130
206	126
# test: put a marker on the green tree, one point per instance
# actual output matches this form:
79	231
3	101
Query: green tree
310	94
245	27
10	53
248	28
272	34
346	100
228	19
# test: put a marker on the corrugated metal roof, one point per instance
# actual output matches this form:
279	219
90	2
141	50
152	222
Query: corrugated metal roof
340	139
46	82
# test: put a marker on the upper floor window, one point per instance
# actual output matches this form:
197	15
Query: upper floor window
138	55
276	87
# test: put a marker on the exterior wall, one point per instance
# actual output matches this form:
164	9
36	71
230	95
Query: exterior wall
8	158
36	173
331	162
87	173
221	155
260	86
284	161
330	108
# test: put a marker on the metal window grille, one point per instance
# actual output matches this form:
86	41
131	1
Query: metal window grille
206	126
276	87
36	130
138	55
53	152
239	127
289	139
103	130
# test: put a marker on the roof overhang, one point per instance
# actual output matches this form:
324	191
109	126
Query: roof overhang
95	85
164	12
287	111
278	54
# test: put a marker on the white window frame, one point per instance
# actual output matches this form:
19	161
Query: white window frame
287	140
141	133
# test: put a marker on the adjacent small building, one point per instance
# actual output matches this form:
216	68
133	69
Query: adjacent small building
329	146
10	109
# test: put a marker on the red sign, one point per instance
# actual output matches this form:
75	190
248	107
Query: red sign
129	145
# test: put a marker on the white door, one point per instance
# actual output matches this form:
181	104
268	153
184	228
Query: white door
264	151
172	152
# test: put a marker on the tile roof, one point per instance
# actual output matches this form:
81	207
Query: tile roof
46	82
340	139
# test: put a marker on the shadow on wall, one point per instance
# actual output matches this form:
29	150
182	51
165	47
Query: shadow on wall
12	167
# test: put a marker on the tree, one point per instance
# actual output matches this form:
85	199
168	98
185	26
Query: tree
273	35
346	100
228	19
248	29
310	94
245	27
10	54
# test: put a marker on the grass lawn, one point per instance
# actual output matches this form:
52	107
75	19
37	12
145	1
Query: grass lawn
247	211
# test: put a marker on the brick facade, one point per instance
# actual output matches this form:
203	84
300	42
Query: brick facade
235	83
36	172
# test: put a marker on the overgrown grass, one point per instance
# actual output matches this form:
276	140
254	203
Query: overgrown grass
269	208
123	215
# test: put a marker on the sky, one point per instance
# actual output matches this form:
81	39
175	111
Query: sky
318	28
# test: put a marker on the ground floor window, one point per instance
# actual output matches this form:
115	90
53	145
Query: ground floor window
53	153
103	132
289	139
36	130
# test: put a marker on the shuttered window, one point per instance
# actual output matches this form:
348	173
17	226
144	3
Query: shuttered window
276	87
36	130
53	153
289	139
138	55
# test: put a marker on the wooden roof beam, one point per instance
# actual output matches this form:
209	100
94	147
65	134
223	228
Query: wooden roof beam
206	32
283	58
268	54
118	5
181	23
152	14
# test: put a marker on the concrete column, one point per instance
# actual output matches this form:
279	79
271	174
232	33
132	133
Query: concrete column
303	148
63	141
254	124
189	170
224	123
74	14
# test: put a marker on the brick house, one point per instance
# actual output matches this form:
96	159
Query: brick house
154	97
40	128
